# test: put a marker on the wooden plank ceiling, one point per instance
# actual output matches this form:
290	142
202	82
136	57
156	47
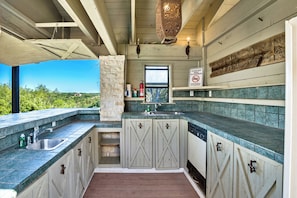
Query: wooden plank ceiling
38	30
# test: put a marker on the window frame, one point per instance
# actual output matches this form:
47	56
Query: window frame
169	86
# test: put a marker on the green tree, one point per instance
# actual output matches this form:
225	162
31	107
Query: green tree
42	98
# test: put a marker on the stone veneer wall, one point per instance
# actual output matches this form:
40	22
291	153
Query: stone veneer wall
111	87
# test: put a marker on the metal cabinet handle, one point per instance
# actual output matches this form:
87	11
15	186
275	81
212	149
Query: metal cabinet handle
252	166
63	167
79	152
90	140
167	126
140	125
219	146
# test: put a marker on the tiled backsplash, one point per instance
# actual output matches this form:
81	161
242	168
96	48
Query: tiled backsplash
273	116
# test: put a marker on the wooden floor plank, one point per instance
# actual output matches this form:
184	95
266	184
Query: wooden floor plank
140	185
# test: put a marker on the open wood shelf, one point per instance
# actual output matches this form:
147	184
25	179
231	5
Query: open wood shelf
109	147
110	160
110	142
198	88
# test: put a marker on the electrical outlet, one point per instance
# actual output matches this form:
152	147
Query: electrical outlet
209	93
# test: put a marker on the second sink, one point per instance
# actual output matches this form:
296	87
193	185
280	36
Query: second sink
46	144
165	113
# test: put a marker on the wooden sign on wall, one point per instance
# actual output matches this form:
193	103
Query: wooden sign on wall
269	51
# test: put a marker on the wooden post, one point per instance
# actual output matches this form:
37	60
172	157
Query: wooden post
15	90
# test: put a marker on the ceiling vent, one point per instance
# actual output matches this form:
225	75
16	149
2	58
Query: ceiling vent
168	20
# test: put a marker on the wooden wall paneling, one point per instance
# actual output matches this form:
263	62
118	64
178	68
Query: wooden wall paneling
243	10
272	74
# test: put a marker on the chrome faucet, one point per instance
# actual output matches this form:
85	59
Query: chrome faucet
157	105
35	133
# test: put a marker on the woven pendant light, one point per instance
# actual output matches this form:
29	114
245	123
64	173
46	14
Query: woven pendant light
168	20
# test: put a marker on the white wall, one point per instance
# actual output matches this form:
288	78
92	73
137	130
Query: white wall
290	161
160	54
241	28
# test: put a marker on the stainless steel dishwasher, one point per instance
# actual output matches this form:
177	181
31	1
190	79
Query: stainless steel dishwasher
196	164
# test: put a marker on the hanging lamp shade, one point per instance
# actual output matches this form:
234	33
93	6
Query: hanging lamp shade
168	20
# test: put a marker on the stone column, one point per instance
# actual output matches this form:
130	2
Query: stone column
112	87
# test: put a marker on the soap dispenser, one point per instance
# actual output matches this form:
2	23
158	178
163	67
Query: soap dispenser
22	141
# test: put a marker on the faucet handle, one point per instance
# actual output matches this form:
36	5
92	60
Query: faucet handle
31	136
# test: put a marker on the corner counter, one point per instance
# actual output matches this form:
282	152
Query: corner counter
267	141
19	168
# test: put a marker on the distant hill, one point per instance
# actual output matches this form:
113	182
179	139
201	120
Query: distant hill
43	98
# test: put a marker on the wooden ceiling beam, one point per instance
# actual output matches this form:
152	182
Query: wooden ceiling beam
78	14
188	9
24	18
56	24
133	22
99	16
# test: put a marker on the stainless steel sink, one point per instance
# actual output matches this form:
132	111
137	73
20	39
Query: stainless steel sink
46	144
165	113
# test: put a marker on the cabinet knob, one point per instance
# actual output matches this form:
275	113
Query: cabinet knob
79	152
252	166
90	140
219	146
63	167
167	126
140	125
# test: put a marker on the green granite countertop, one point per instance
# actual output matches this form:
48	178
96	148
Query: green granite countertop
264	140
20	167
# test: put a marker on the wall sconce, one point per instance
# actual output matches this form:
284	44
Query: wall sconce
138	48
188	48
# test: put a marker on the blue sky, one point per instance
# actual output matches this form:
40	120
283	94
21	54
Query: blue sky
67	76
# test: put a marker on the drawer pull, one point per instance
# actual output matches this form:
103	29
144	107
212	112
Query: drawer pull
63	167
79	152
140	125
252	166
167	126
219	146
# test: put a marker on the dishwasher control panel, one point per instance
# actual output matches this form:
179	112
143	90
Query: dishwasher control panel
198	131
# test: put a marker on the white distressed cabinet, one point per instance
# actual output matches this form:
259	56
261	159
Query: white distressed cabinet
139	143
219	166
78	174
152	143
256	175
38	189
61	183
83	164
166	143
235	171
88	158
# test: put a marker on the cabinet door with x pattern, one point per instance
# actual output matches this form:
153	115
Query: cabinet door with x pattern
140	143
219	166
167	143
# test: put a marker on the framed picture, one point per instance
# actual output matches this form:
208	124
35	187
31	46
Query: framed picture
196	77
